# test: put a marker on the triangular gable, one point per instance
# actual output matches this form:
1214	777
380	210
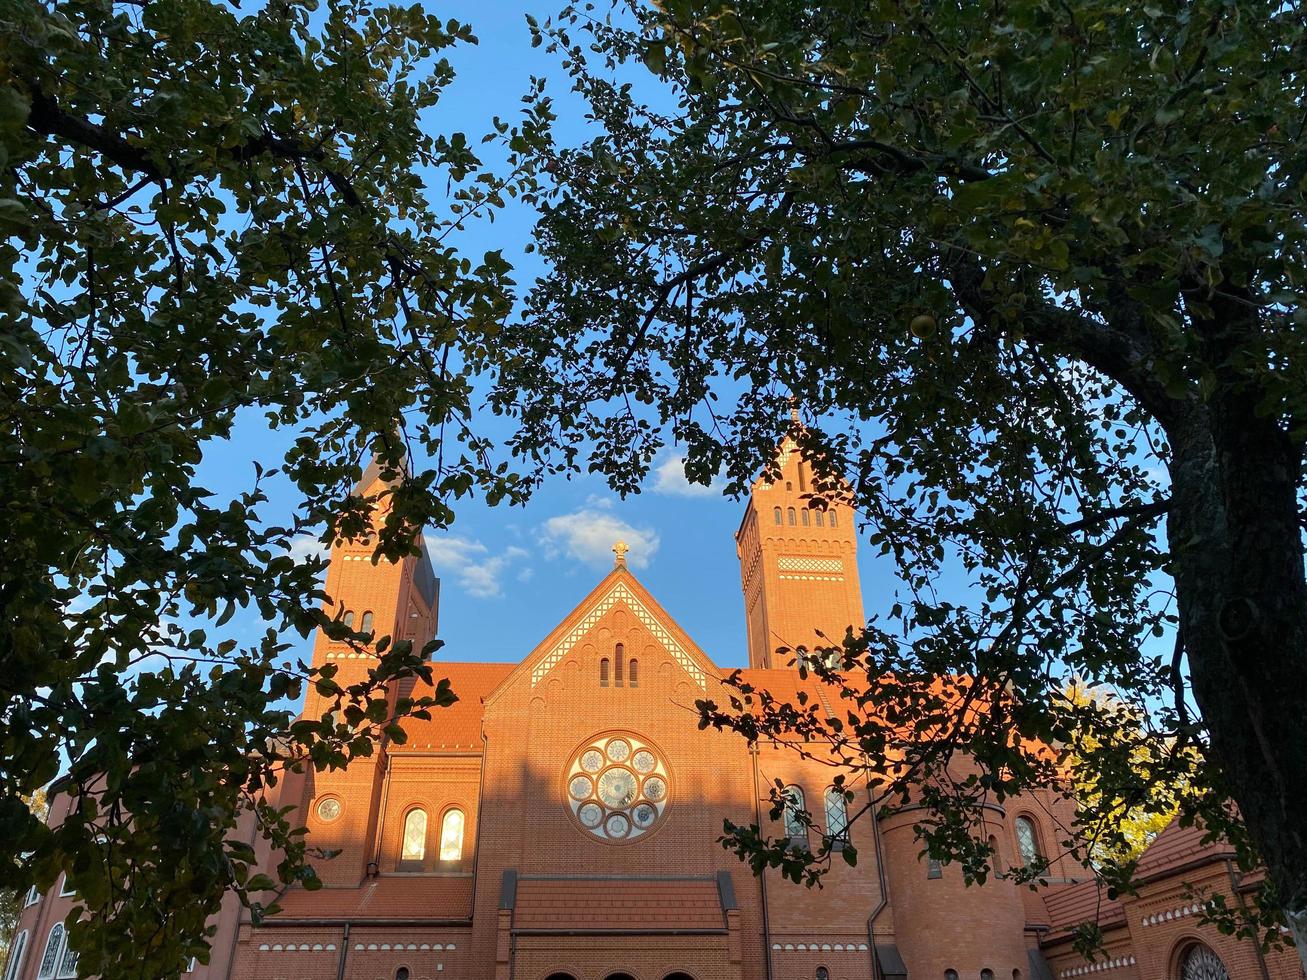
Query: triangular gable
618	592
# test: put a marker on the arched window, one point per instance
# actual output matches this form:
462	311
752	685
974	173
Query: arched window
789	513
1016	974
837	818
950	975
794	826
821	518
348	619
603	672
366	625
996	859
832	518
823	973
1028	842
415	836
619	654
678	975
16	952
633	673
451	836
560	976
68	963
401	973
804	515
986	975
1200	963
776	512
54	953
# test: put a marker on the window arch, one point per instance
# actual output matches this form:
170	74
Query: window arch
823	973
54	953
1028	842
1200	963
789	513
619	654
415	836
401	973
366	625
837	818
986	974
348	619
560	976
776	512
678	975
803	514
451	835
16	952
633	673
795	829
604	667
950	975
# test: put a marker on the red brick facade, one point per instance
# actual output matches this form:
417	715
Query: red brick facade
562	819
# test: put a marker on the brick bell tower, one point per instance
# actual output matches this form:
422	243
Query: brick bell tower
397	599
798	565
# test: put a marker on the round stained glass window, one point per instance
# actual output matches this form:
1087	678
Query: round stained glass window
328	809
617	787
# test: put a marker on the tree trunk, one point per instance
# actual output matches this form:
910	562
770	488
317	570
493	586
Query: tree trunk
1237	556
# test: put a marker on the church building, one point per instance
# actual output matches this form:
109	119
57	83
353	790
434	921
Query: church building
561	821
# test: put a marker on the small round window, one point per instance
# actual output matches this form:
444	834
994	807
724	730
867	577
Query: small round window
328	809
617	787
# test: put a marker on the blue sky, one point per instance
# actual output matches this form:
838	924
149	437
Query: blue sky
509	575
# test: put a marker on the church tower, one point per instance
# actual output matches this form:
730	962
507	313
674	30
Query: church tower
798	565
396	599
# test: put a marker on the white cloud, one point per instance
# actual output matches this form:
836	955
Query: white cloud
588	535
306	546
669	478
470	563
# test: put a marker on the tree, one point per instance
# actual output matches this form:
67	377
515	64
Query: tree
1032	272
11	900
204	213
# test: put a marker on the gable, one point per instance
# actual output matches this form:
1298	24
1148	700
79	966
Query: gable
618	593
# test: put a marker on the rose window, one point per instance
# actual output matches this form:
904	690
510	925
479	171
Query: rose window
617	787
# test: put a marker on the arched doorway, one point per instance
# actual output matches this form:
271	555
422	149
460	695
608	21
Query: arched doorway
678	975
560	976
1200	963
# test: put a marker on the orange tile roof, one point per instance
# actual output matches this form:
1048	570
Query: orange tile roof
1176	847
1086	901
565	904
435	897
457	727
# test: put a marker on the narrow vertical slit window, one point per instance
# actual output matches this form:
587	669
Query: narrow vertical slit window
451	836
619	654
633	673
604	666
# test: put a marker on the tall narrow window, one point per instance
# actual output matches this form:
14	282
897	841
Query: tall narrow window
33	896
16	952
776	513
995	858
68	963
794	826
451	836
66	889
619	654
986	975
366	625
603	672
789	513
837	818
821	518
348	619
415	836
803	514
633	673
1028	842
832	518
54	953
823	973
934	869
